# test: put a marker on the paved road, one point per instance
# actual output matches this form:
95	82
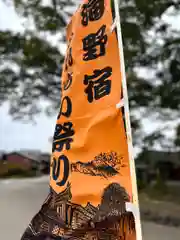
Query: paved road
20	200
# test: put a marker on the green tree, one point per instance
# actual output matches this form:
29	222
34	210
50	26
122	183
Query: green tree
31	64
177	137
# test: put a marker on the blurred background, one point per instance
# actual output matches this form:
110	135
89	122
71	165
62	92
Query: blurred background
32	48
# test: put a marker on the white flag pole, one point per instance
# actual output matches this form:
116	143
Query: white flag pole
135	208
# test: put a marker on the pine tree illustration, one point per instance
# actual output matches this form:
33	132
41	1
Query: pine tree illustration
106	171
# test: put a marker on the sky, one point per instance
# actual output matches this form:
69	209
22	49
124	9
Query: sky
17	135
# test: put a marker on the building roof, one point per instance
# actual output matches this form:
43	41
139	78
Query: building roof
37	156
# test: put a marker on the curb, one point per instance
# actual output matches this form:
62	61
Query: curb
171	221
25	180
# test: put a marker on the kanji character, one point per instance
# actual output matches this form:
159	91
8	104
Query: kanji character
92	11
63	136
94	44
98	84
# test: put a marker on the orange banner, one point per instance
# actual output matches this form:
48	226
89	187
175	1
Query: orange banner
89	165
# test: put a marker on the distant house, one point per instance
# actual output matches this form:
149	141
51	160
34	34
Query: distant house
45	162
23	159
141	172
168	163
1	153
29	160
2	156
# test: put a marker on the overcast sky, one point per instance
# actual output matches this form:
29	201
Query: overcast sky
16	135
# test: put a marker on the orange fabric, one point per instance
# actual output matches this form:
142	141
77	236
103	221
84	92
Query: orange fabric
98	126
89	173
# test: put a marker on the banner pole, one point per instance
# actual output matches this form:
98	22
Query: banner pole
136	211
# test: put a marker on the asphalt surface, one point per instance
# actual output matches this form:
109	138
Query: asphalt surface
21	199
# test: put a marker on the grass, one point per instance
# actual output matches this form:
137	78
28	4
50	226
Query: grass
160	200
159	207
163	193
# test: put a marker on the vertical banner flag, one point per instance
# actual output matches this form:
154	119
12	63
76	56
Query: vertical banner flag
90	177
